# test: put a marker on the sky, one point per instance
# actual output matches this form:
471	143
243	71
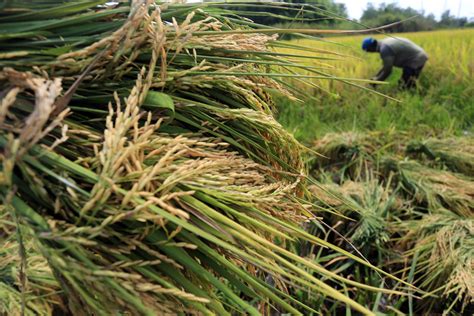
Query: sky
437	7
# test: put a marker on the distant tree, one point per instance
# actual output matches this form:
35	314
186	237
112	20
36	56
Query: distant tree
390	13
342	9
470	22
370	13
448	20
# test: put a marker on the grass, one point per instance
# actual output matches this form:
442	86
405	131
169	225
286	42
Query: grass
443	104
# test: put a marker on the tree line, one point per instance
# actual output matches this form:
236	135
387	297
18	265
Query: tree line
330	14
417	21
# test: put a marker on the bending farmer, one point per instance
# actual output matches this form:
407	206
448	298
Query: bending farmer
398	52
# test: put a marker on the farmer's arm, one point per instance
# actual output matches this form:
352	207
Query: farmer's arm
386	69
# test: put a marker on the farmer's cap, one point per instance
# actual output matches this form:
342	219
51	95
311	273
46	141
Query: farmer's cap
367	42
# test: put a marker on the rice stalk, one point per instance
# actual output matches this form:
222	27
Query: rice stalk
443	243
40	290
353	154
435	188
154	185
455	153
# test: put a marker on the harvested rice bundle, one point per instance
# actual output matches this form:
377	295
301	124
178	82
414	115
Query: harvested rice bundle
455	153
83	221
354	154
436	188
361	220
348	152
150	188
368	203
373	203
191	69
327	193
441	249
27	284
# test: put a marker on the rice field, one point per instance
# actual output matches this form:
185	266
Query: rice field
450	55
143	172
444	104
402	168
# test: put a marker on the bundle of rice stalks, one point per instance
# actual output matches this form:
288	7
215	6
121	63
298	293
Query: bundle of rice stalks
368	203
27	284
441	249
455	153
354	154
433	188
373	203
348	153
415	217
361	222
158	181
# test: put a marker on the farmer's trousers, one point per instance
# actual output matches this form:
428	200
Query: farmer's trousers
409	77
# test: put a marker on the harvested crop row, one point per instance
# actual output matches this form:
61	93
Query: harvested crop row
414	217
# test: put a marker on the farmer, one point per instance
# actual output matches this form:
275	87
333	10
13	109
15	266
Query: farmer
398	52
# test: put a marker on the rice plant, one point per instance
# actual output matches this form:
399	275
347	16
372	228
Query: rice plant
456	153
413	218
361	221
435	188
27	284
355	155
138	144
440	247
